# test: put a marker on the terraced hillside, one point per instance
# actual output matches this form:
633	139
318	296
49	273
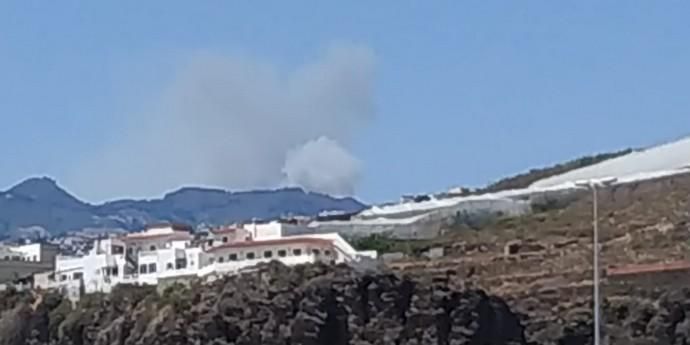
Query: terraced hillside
542	263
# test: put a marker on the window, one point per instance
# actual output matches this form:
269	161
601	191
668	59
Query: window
268	254
232	257
282	253
152	268
225	239
210	243
117	250
212	260
297	252
143	269
130	250
180	264
250	256
35	258
63	277
221	259
316	252
327	252
114	271
77	275
152	248
7	258
169	266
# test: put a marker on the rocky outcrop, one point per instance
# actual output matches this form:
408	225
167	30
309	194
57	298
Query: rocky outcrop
313	305
277	305
641	317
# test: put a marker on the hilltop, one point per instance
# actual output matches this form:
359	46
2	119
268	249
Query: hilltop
40	204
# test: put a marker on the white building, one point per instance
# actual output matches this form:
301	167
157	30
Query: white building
19	262
34	252
169	251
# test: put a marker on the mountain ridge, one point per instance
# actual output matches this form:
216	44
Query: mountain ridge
41	202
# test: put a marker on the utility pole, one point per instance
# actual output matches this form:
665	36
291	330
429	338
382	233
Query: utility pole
592	185
595	226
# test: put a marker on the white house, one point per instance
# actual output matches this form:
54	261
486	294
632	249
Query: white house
34	252
19	262
99	270
169	251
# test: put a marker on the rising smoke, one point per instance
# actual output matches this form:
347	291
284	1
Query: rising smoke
322	165
240	124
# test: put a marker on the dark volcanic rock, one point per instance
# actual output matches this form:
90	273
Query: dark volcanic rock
662	318
308	305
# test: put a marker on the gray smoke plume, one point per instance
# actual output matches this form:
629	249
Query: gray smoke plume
241	124
322	165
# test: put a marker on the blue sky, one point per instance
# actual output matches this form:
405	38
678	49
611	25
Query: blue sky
463	92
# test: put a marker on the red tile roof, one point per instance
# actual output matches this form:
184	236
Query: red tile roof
282	241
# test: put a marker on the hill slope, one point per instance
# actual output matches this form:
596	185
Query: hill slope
40	202
542	263
670	156
524	180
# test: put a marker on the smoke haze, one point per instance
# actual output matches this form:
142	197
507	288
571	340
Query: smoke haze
322	165
239	123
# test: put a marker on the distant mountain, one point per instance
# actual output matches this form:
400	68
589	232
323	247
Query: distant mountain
41	203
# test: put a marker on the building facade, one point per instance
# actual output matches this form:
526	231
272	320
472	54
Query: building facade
19	262
168	252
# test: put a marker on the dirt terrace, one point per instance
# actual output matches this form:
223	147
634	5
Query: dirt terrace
542	263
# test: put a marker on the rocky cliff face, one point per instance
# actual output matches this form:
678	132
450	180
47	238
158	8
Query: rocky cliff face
277	305
313	305
652	318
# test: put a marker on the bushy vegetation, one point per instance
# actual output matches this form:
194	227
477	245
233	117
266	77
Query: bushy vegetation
381	243
526	179
475	220
385	243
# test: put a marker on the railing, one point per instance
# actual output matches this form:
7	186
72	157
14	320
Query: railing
67	263
148	253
